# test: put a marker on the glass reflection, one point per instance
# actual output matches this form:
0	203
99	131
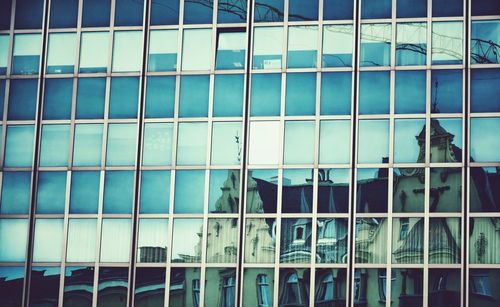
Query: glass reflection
331	241
121	144
78	286
62	53
189	191
447	42
485	143
51	193
267	47
81	245
409	140
446	140
484	236
484	189
264	142
483	287
196	49
259	287
302	10
300	94
184	287
198	12
450	8
228	95
369	151
127	51
57	98
407	287
302	46
14	238
149	287
90	98
408	190
155	192
15	193
372	185
334	150
231	48
333	190
220	287
160	96
260	240
226	144
294	287
165	12
295	240
337	46
118	192
157	147
268	10
22	99
231	11
410	93
411	43
96	13
123	98
371	240
192	143
408	240
330	287
26	54
444	287
444	241
336	90
84	191
484	90
187	238
224	191
297	191
11	286
485	43
44	286
299	142
153	241
374	92
446	190
262	191
375	44
446	91
265	95
4	52
115	240
55	145
19	146
113	285
222	240
87	149
94	52
162	50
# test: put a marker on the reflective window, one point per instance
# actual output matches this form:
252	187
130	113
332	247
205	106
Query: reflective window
153	241
94	50
84	192
484	7
411	8
444	235
118	192
335	150
192	143
14	238
44	278
193	101
196	47
128	12
22	99
185	245
372	187
264	254
485	143
157	147
262	184
374	91
160	96
331	244
297	195
264	142
483	230
149	283
58	95
5	15
51	193
124	96
231	48
449	182
369	151
409	140
299	142
300	94
268	10
302	46
295	243
375	44
447	42
197	12
365	230
62	53
12	277
79	278
264	281
115	240
333	192
189	191
410	93
408	181
29	14
164	12
228	95
485	42
299	10
2	97
231	11
337	9
113	280
411	43
190	277
155	192
87	149
96	13
485	91
222	242
267	48
55	145
19	146
295	286
224	191
484	180
336	91
4	53
26	54
446	91
127	51
63	14
227	143
265	95
121	144
90	98
163	50
16	190
376	9
445	8
81	243
47	245
337	46
449	130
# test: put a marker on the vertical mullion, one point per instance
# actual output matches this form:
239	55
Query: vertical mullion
466	158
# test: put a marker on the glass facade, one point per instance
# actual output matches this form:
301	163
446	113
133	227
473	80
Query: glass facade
250	153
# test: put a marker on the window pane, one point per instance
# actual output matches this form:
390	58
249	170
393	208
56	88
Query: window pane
299	10
94	52
263	252
153	241
62	52
96	13
157	148
485	42
409	140
231	11
196	49
12	277
51	193
262	278
163	50
165	12
376	9
451	199
445	8
485	143
331	241
155	192
302	46
26	54
299	142
81	240
483	234
295	244
224	191
118	192
121	147
336	91
90	98
14	237
185	245
446	92
262	185
372	187
123	97
485	91
411	43
337	9
371	253
447	42
16	190
115	240
47	245
266	95
2	97
337	149
115	280
228	95
150	287
55	145
84	192
63	13
222	240
88	145
444	235
411	8
127	51
81	278
4	52
22	99
231	48
57	98
484	7
46	277
405	181
337	46
5	15
29	14
374	92
19	146
160	96
128	12
264	142
449	129
189	191
226	143
268	10
197	12
300	94
410	94
375	44
333	191
267	47
297	191
370	151
192	143
194	96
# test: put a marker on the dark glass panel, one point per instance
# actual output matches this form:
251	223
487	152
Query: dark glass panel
228	95
63	13
331	286
15	192
165	12
113	285
184	287
11	286
407	286
44	287
262	191
485	7
269	10
57	98
336	94
300	94
149	287
96	13
196	12
446	91
294	287
411	8
22	99
123	97
299	10
297	191
78	286
444	287
189	191
2	97
232	11
485	92
484	189
372	189
371	9
160	96
410	91
484	288
333	190
6	6
445	8
51	193
194	96
90	98
337	9
374	90
408	190
29	14
266	95
128	12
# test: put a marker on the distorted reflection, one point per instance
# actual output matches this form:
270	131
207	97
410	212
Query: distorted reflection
78	286
295	240
485	143
186	245
113	285
484	238
411	44
409	140
375	45
370	286
44	287
149	287
184	287
294	287
231	11
446	140
407	240
407	287
11	286
371	240
444	240
371	192
445	190
220	287
408	190
485	43
153	241
484	289
447	42
444	287
484	189
267	47
302	46
260	239
224	191
331	240
297	191
222	240
446	91
337	46
369	151
231	48
333	190
268	10
262	191
259	287
331	286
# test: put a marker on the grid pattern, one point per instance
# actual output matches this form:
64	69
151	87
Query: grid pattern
191	153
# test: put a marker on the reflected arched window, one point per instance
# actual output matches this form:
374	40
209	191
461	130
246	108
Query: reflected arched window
293	292
196	292
228	292
326	290
263	291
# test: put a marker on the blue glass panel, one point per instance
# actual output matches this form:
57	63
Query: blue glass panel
19	146
14	235
445	8
369	150
29	14
376	9
62	52
63	13
232	11
336	91
128	12
84	192
90	98
88	145
266	95
118	192
337	46
4	52
447	40
51	192
2	96
410	91
189	191
197	12
485	42
123	98
194	96
268	10
407	147
157	147
375	45
163	50
302	46
223	195
55	145
485	7
164	12
22	99
26	54
300	94
231	48
160	96
155	192
16	190
485	143
192	143
57	98
411	8
121	148
446	91
228	95
299	10
335	149
374	90
5	13
337	9
411	44
485	90
96	13
299	142
12	279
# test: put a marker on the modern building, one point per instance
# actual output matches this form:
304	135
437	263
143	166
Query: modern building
251	153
